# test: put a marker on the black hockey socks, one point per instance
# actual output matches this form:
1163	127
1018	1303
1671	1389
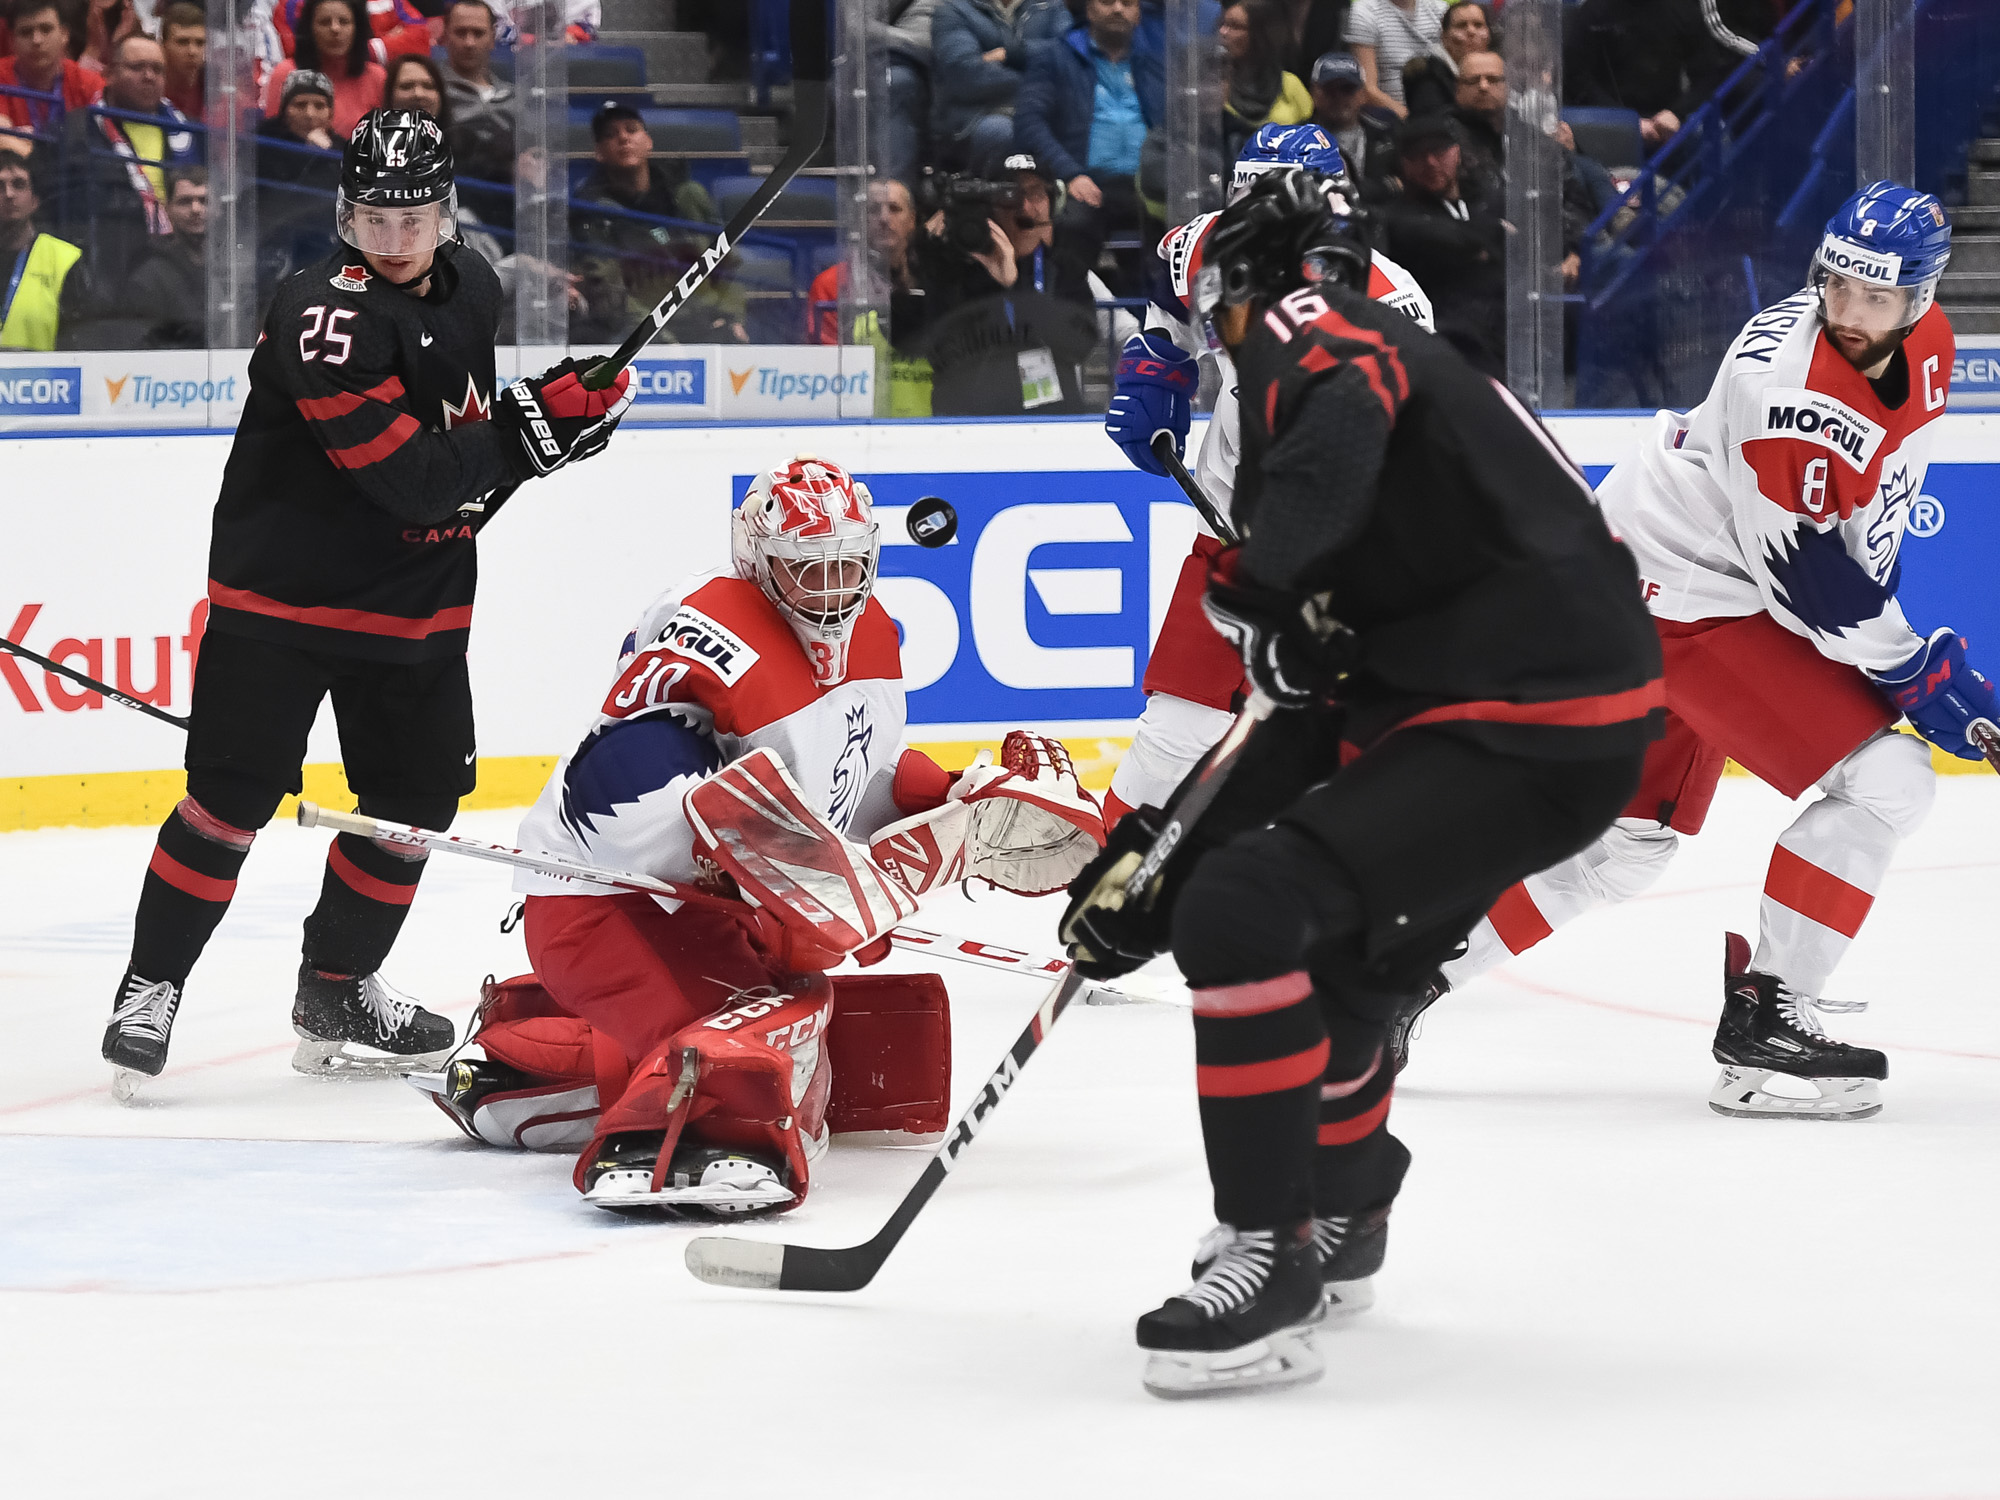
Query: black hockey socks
1357	1164
363	899
188	887
1260	1050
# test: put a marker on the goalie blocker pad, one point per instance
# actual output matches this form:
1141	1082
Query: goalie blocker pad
887	1045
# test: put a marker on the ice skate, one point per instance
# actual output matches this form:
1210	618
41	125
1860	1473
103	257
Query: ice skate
701	1179
1351	1248
357	1026
1246	1323
467	1079
141	1025
1404	1026
1770	1029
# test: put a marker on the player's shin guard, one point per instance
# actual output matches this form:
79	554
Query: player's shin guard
1260	1048
188	887
364	897
1358	1166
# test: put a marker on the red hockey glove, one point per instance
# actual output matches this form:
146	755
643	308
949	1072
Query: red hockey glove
559	420
1294	651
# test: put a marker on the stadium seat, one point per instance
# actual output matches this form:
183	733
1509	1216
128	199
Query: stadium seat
606	68
806	200
1608	136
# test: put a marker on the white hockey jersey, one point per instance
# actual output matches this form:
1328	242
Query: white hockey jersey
1789	488
1215	466
711	673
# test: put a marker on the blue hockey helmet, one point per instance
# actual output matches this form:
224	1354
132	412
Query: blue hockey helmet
1276	146
1887	236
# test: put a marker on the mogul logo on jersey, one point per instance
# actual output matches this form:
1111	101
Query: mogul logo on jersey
350	279
1818	418
692	634
670	382
41	391
1181	249
1877	267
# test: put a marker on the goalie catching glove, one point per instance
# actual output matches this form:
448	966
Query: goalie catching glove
557	419
1024	824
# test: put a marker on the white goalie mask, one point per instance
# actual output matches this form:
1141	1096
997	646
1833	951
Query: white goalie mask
806	535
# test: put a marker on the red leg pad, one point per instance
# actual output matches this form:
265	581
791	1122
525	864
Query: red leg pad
890	1047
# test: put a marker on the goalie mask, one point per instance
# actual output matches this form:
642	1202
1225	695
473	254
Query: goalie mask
806	535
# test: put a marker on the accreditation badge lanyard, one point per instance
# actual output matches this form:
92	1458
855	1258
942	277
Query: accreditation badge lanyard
14	282
156	211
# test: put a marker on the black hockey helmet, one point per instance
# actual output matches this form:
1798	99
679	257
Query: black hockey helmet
1290	230
395	166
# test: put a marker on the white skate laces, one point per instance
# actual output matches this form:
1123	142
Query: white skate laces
389	1011
147	1008
1241	1265
1329	1234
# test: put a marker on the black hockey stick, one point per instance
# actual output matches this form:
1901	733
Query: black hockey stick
93	684
811	62
725	1260
1163	450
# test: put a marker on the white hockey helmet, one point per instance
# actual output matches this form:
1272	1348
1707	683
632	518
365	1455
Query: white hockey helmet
806	535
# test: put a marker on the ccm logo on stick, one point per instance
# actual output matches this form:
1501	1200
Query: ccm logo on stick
692	634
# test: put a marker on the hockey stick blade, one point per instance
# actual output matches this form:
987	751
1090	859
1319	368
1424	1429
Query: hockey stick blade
810	65
93	684
1164	451
724	1260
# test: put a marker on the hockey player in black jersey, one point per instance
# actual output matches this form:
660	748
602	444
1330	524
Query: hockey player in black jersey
372	448
1464	681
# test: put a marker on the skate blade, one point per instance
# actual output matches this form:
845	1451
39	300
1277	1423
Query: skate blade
126	1083
316	1057
1286	1358
431	1085
630	1190
1344	1299
1740	1094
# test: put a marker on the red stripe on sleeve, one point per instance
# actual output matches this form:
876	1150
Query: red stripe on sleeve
181	878
362	883
1517	921
1346	1132
1238	1080
389	390
326	408
362	455
1814	893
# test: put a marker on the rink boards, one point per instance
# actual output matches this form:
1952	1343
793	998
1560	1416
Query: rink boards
1042	611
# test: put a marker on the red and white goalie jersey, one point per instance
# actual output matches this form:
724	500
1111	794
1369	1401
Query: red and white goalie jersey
1215	466
1788	490
711	673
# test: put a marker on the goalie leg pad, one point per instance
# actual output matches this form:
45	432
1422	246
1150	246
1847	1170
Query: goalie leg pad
890	1047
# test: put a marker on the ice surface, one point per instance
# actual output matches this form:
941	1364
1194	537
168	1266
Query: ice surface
253	1283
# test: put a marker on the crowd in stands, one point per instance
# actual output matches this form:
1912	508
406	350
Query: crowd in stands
1020	201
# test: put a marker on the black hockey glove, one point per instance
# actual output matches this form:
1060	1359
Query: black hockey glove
1108	935
1294	650
557	419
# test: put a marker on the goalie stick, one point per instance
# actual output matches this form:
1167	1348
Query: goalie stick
725	1260
810	61
1163	450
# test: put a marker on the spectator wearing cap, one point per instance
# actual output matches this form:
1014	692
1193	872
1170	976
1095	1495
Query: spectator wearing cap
1452	240
43	286
298	169
115	161
1430	82
333	39
168	291
979	57
184	40
1384	36
41	62
1653	56
1086	104
640	257
1366	144
482	107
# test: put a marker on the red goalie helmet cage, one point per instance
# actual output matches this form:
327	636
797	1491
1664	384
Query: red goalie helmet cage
806	535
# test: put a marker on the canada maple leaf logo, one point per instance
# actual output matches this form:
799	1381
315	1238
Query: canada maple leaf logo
351	279
475	408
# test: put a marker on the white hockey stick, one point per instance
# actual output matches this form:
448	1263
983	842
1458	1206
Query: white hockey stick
915	939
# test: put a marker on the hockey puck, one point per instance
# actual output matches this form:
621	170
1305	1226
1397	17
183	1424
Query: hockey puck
931	522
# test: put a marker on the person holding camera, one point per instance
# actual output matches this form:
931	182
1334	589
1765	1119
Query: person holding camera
1004	332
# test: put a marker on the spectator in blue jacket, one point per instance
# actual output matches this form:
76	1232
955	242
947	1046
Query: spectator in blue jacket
979	50
1086	104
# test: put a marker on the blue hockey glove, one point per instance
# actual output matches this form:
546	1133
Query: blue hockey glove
1154	392
1941	696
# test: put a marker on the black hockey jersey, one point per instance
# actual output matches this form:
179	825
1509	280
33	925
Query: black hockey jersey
340	525
1487	592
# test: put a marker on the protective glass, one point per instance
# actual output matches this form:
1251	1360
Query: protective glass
397	230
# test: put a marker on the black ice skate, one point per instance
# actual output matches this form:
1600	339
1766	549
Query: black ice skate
1404	1026
466	1081
1246	1323
1768	1028
142	1023
358	1027
701	1179
1351	1249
